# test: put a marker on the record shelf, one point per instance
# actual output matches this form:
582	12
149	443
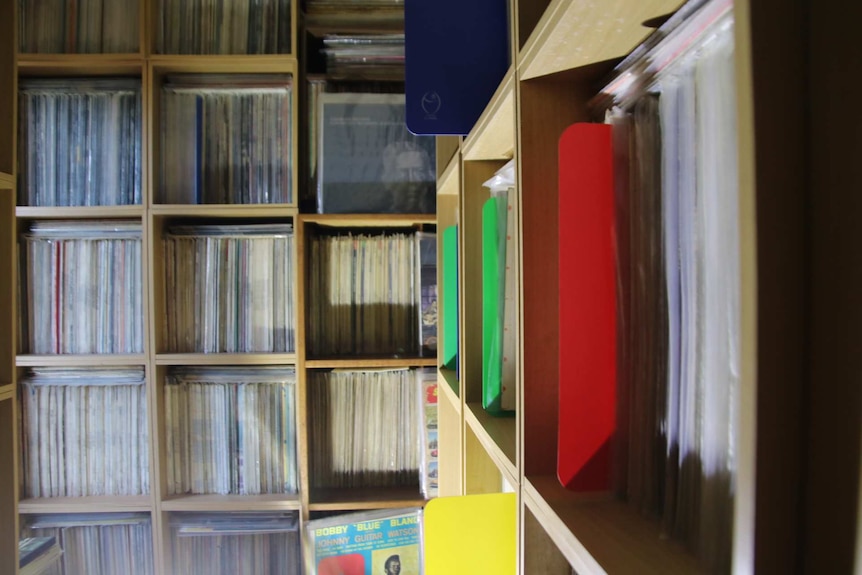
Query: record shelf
563	52
152	68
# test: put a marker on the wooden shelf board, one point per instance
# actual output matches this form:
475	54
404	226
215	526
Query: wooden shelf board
369	220
7	181
80	64
268	502
229	64
368	362
449	183
68	213
493	136
225	210
225	358
7	391
320	21
599	534
498	435
449	384
365	498
88	504
84	360
574	34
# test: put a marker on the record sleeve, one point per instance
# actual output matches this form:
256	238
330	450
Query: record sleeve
368	161
365	543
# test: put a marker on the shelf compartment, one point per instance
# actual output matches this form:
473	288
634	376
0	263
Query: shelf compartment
449	183
211	502
575	34
80	64
365	498
7	181
83	360
493	136
499	438
599	534
79	212
88	504
225	358
370	362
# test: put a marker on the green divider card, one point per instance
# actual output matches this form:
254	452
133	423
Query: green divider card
471	534
492	321
450	297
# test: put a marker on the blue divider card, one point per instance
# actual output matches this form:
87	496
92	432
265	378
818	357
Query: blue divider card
456	53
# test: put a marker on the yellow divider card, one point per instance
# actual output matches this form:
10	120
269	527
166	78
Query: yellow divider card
471	534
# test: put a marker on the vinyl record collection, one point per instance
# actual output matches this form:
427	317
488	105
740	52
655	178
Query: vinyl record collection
226	139
81	289
233	543
223	27
230	288
231	430
429	469
97	543
678	364
82	26
79	141
366	428
367	294
84	432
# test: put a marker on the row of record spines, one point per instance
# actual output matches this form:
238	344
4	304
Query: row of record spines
231	431
204	543
78	26
224	27
374	303
367	429
97	543
80	288
84	432
183	27
79	142
226	139
230	292
678	297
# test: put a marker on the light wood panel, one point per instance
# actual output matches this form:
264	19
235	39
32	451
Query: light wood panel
498	437
42	65
364	498
368	220
493	136
224	210
598	534
8	486
449	184
574	34
83	360
73	213
7	181
481	474
450	440
225	359
87	504
446	148
540	555
230	503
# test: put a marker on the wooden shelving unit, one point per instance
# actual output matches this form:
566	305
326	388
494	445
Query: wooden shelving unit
564	51
8	306
155	216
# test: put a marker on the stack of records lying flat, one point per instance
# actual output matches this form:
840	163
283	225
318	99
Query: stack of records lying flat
365	56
